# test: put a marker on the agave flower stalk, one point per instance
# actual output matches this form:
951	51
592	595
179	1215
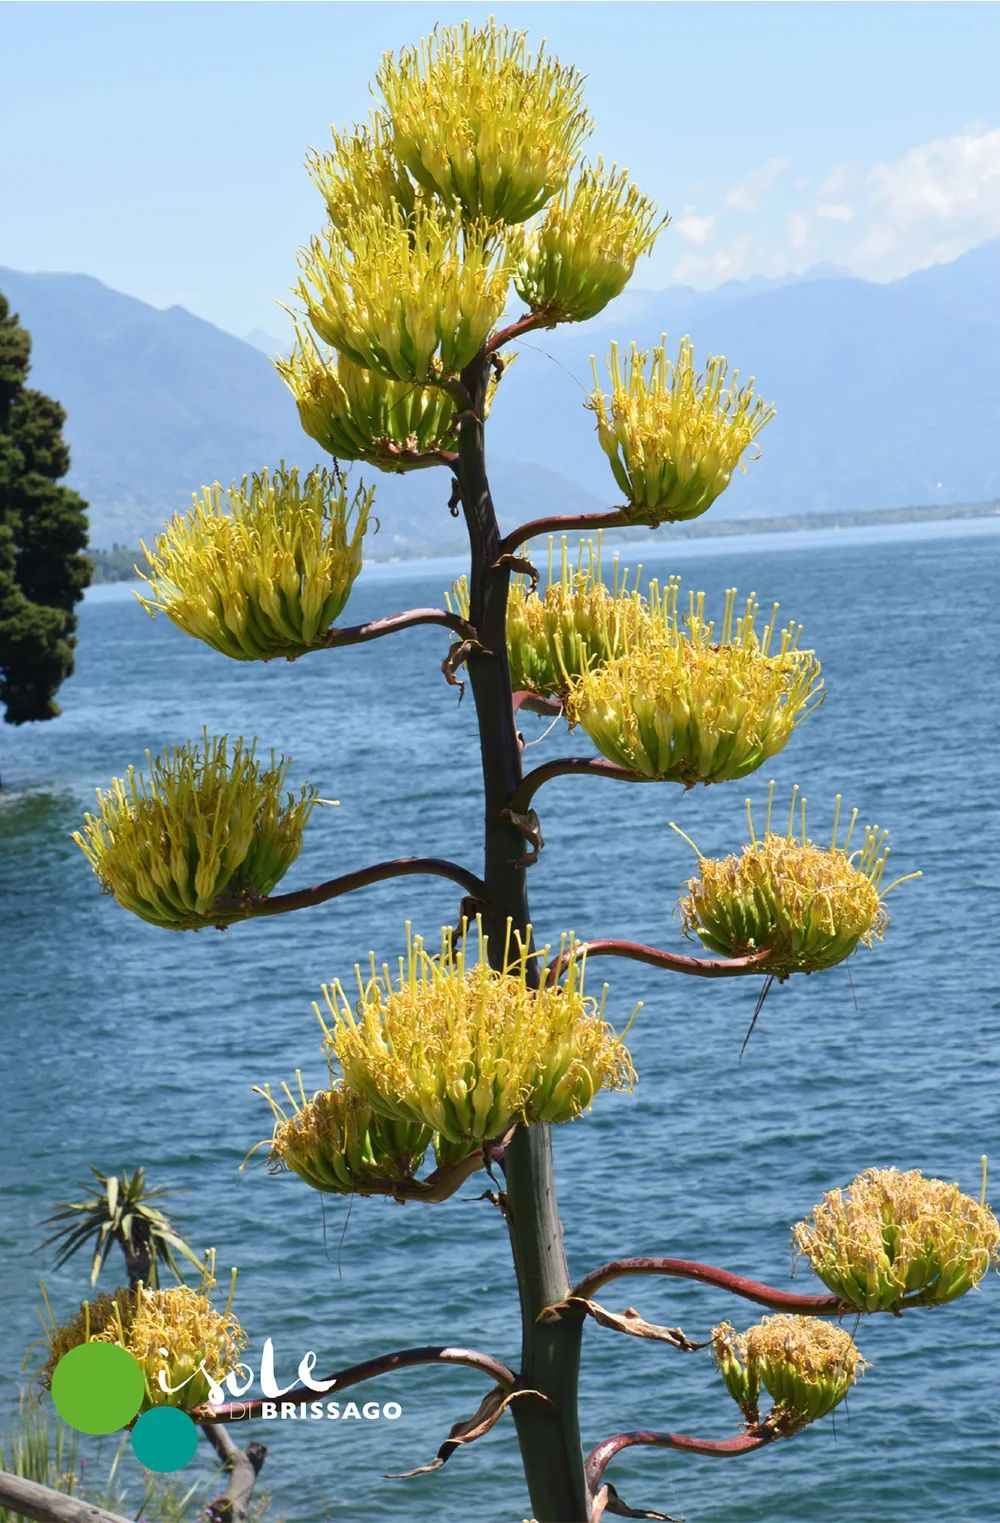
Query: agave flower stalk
674	437
453	1044
806	1366
177	1334
479	120
576	622
338	1144
692	704
208	823
810	906
582	252
362	171
411	297
263	569
892	1240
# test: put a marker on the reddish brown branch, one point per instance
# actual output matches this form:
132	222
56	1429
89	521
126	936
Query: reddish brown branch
370	1369
536	703
676	962
359	634
741	1443
722	1279
569	766
305	898
526	324
563	523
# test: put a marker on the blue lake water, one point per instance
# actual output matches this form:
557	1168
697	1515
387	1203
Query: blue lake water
125	1045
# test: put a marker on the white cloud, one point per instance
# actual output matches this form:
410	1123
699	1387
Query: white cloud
798	231
745	196
835	211
881	220
693	229
934	203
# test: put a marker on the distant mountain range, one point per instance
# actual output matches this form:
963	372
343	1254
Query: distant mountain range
886	394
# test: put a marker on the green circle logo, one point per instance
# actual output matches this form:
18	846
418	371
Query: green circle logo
164	1438
97	1387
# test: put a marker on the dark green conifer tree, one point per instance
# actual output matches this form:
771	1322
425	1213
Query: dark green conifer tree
43	532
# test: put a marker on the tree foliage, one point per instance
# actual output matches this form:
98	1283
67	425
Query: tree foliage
43	533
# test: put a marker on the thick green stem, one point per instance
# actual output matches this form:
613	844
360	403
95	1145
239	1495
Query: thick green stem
548	1429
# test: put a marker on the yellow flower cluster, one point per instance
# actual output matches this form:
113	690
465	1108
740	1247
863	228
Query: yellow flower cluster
452	1044
176	1332
694	704
208	824
412	297
479	120
807	1367
892	1240
582	253
809	905
357	414
674	437
575	623
361	172
263	569
338	1144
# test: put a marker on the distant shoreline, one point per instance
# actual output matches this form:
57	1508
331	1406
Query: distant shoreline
118	563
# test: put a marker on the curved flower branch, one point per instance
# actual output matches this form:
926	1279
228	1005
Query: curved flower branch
677	962
359	634
569	766
305	898
564	523
741	1443
369	1369
526	324
722	1279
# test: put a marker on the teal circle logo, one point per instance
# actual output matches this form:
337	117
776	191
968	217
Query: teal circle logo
164	1438
99	1387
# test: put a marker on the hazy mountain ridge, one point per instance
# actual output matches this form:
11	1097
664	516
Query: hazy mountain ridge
886	394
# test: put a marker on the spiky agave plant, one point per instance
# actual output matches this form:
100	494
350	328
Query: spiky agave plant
582	251
466	176
121	1213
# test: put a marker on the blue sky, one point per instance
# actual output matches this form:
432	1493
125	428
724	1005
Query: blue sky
160	146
